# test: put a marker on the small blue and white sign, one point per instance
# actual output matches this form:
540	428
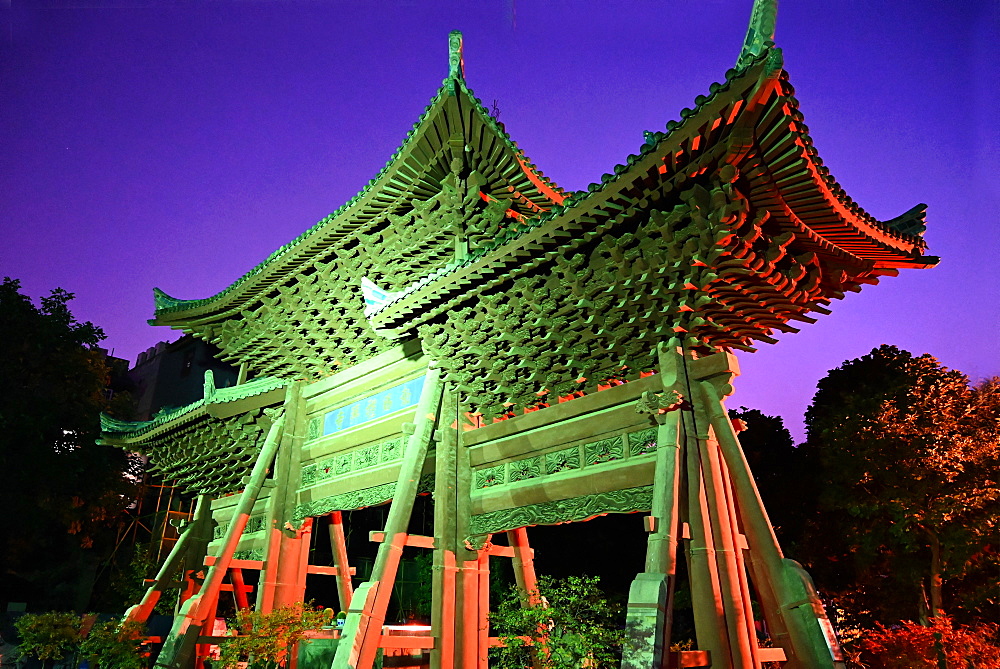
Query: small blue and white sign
376	406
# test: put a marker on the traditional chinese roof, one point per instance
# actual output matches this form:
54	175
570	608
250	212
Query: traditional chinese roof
207	446
457	174
720	231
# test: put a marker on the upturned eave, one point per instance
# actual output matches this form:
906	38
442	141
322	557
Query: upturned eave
536	192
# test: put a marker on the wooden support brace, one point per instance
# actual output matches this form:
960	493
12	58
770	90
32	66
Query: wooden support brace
141	611
413	540
362	629
180	644
338	542
782	583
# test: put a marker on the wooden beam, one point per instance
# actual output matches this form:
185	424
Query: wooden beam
235	564
413	540
394	641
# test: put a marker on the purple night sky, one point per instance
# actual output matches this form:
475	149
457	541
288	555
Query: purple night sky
175	143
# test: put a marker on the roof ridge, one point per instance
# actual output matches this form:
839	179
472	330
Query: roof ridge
111	425
760	31
165	303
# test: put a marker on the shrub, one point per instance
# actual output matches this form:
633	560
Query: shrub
914	646
267	639
115	645
571	625
48	636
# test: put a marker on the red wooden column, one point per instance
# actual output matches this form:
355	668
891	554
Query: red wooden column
281	579
293	565
524	565
483	631
338	542
474	608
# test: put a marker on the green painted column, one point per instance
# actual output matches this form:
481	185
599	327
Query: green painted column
363	627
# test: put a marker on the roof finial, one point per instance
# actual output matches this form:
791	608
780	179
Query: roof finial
760	33
456	64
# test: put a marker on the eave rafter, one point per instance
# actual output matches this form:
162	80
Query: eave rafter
792	177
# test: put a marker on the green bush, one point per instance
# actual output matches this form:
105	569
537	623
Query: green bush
266	640
570	625
115	645
48	636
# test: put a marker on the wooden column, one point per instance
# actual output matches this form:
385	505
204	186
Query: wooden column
470	636
483	627
703	572
735	596
445	561
281	581
363	627
650	603
338	542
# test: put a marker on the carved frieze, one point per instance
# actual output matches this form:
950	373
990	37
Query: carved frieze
563	511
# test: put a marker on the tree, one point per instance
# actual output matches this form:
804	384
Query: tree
62	493
907	455
779	470
567	624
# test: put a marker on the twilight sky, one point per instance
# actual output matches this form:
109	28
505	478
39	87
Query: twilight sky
176	143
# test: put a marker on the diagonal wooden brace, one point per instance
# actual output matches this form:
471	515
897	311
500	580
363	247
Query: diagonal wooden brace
179	647
363	627
811	640
141	611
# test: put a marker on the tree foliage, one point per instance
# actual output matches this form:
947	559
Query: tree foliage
61	493
906	454
939	643
779	470
115	644
267	639
568	624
